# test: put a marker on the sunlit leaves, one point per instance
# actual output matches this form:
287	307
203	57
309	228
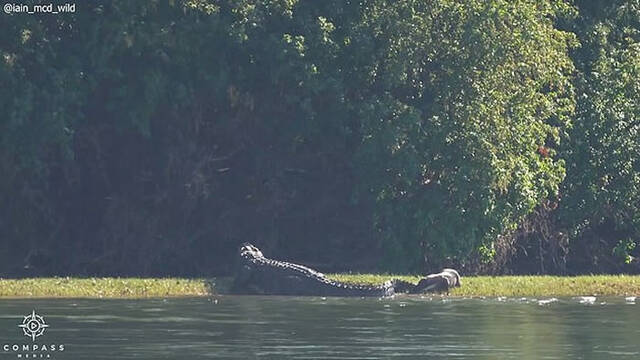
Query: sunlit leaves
603	182
469	92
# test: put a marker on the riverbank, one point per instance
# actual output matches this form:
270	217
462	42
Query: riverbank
518	286
510	286
103	287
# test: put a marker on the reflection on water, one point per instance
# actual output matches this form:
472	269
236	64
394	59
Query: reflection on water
249	327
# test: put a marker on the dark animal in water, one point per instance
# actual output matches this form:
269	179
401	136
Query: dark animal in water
260	275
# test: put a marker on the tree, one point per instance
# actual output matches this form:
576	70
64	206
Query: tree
462	97
601	195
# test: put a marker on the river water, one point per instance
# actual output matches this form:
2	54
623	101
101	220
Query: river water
253	327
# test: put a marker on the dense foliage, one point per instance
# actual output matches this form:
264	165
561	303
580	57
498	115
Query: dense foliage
151	138
601	201
469	91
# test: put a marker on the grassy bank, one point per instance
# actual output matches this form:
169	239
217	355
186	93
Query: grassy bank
512	286
103	287
517	286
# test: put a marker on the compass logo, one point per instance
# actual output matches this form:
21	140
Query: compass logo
33	325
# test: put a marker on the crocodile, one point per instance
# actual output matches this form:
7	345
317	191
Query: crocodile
259	275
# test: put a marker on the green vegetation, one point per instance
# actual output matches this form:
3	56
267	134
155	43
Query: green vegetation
152	138
510	286
515	286
601	192
103	287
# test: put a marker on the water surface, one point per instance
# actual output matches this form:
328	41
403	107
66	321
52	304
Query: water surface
252	327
